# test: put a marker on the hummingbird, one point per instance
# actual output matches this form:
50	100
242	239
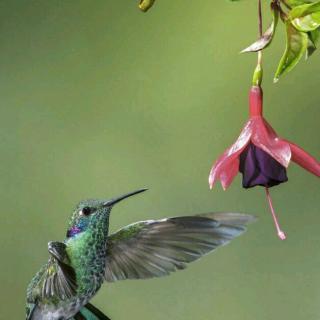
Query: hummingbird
90	256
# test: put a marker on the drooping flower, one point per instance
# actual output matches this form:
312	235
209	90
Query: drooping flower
260	155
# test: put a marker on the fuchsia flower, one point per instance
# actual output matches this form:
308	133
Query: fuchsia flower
260	155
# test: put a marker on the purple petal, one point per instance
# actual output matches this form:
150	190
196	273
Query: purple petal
258	168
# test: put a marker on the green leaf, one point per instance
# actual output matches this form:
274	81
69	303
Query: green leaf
307	23
297	43
267	37
145	5
304	10
295	3
314	37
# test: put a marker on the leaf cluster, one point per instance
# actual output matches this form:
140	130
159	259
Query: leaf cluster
301	19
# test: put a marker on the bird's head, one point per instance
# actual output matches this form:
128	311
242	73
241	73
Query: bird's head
93	213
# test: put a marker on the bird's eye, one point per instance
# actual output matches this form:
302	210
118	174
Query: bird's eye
86	211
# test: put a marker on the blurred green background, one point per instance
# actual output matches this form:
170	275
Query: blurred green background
98	99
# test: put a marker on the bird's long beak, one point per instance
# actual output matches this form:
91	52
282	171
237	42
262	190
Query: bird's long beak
118	199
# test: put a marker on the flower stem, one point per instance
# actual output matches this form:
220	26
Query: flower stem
260	30
260	17
258	72
280	233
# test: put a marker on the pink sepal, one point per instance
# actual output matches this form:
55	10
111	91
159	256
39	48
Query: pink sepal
229	173
226	167
265	138
304	159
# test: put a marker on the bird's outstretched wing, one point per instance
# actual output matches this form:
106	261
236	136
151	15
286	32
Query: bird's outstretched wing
155	248
59	278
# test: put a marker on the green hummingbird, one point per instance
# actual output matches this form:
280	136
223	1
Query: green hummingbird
89	256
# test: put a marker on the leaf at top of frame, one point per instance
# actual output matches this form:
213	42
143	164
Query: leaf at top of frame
297	43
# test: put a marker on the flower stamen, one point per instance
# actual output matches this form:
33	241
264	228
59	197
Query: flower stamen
281	234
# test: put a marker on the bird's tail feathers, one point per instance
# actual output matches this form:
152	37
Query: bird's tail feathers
90	312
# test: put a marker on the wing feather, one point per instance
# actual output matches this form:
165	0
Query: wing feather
58	278
155	248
